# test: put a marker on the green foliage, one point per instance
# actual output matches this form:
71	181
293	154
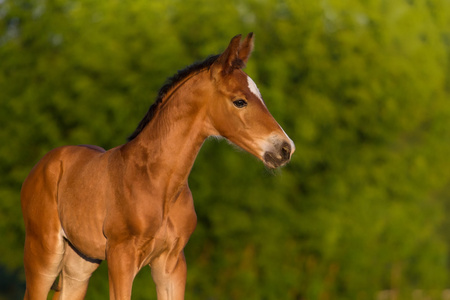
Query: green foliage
362	87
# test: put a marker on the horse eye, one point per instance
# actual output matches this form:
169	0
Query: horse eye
240	103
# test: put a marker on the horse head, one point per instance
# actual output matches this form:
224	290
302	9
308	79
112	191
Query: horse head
238	111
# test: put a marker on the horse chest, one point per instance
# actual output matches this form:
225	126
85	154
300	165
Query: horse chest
163	243
163	239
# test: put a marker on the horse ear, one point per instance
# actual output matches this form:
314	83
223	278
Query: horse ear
235	56
246	48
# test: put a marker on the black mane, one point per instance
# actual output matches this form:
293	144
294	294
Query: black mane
170	83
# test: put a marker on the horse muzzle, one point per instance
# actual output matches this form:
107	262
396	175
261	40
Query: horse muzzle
280	154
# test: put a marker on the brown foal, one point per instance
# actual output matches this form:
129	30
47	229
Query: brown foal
132	205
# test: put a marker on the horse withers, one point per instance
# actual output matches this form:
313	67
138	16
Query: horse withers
131	205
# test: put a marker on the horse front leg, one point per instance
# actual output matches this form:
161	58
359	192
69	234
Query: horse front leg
122	268
169	275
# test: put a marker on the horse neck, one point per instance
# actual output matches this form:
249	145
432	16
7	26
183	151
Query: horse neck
169	144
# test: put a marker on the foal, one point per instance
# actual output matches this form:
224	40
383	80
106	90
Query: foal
132	205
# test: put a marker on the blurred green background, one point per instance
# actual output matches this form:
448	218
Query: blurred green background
361	86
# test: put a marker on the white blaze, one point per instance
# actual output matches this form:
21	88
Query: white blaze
253	88
267	145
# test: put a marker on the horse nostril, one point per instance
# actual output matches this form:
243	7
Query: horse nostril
286	151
